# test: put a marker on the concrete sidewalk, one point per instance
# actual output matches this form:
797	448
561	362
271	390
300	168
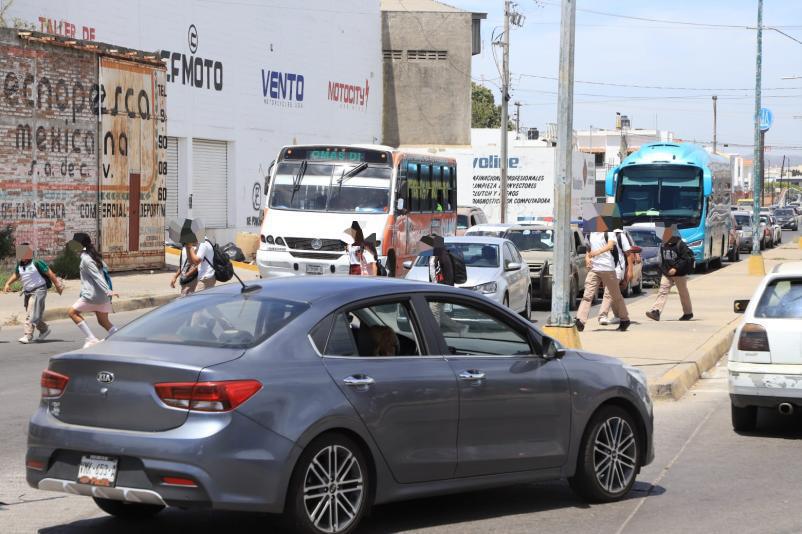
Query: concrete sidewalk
674	354
137	290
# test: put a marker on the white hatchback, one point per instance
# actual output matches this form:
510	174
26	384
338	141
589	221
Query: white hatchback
765	360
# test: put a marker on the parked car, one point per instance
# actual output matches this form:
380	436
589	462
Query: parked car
787	218
292	411
649	242
468	216
536	243
495	269
743	225
765	359
489	229
734	245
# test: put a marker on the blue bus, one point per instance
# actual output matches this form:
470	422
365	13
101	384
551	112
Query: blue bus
667	183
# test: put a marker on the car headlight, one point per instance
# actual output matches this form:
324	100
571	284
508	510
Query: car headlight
488	288
642	387
697	243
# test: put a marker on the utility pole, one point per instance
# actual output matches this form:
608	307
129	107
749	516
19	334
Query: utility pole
517	118
505	97
715	129
560	294
516	19
757	170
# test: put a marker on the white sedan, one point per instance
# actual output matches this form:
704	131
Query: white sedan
765	360
495	269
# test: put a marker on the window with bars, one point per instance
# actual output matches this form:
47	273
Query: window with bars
391	55
431	55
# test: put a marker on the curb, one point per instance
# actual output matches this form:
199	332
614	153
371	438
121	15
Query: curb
677	381
138	303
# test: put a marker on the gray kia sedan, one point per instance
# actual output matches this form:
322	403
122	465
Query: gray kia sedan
319	397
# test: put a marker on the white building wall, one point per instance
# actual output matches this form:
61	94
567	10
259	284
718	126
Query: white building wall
322	41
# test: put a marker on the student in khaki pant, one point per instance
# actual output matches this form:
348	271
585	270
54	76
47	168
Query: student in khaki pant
601	267
676	263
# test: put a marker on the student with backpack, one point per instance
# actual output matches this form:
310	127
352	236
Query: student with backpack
186	275
624	258
601	270
202	257
96	290
676	263
36	279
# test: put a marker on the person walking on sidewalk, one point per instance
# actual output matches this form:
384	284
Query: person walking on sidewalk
36	278
601	270
624	258
186	274
95	293
676	264
202	256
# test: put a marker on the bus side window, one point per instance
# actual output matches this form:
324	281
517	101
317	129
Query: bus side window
437	189
413	187
425	188
449	183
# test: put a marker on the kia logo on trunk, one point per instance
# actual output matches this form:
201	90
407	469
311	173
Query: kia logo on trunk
105	377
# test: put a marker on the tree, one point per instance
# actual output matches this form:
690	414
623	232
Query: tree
484	111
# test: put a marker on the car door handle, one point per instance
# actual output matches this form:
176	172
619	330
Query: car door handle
358	381
471	374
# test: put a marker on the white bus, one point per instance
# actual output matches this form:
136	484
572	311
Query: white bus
316	192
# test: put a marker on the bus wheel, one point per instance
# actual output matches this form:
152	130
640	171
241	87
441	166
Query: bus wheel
390	264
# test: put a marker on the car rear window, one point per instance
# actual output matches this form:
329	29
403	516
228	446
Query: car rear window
475	254
214	320
782	299
533	239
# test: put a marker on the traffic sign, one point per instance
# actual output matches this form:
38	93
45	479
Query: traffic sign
766	118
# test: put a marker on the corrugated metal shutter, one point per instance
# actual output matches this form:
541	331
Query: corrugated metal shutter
171	181
210	182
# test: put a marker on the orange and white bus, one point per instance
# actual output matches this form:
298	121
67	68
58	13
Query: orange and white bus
315	192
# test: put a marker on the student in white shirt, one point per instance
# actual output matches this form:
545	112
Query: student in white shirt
35	276
203	257
623	271
601	270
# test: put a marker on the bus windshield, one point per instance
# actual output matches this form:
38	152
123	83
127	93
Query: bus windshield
668	193
329	187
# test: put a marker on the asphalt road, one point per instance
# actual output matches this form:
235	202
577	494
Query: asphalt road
705	477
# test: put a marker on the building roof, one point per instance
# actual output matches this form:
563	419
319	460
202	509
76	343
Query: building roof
418	6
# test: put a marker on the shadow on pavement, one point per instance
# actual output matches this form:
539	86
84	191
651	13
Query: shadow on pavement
388	518
771	424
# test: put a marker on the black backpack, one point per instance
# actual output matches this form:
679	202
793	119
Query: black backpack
221	263
458	262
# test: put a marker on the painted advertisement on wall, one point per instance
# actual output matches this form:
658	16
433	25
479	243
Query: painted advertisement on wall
132	164
48	129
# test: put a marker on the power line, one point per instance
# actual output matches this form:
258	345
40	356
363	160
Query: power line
662	87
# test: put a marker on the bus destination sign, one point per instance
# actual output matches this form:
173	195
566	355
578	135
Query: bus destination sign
335	154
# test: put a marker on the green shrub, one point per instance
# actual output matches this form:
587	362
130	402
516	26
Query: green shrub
7	242
16	286
66	265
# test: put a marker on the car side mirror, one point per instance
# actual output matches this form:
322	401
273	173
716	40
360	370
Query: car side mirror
552	350
407	264
739	306
581	249
512	266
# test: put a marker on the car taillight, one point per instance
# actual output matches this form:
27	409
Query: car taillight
53	384
753	338
221	396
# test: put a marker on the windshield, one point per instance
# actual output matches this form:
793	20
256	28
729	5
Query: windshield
666	193
475	254
327	187
782	299
743	220
216	320
462	221
645	239
784	213
490	233
527	240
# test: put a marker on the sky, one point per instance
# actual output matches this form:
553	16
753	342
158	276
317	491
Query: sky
678	58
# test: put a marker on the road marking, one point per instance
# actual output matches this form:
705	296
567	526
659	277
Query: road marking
666	469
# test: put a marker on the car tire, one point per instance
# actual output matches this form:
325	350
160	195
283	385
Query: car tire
527	312
309	515
638	289
600	475
390	264
573	296
743	419
128	510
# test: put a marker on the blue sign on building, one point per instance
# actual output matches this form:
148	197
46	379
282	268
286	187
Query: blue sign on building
766	118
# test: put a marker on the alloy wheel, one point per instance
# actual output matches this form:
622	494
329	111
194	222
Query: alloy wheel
333	489
615	455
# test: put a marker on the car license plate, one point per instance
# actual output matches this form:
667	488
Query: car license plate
314	269
97	470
